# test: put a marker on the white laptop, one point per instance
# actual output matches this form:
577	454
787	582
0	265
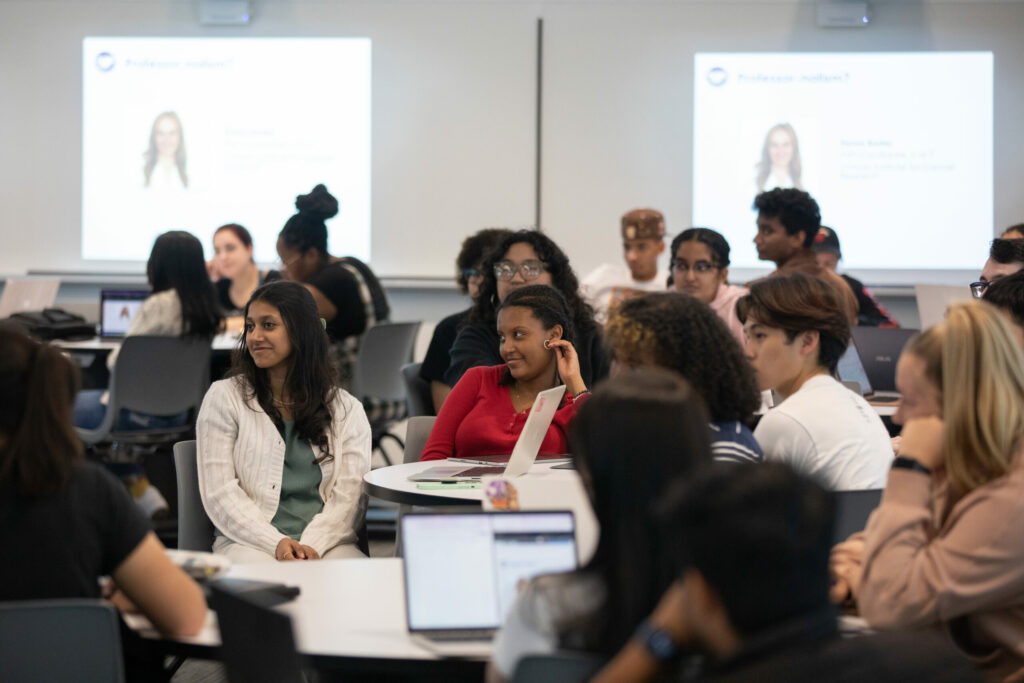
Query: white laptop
463	569
523	455
28	294
118	307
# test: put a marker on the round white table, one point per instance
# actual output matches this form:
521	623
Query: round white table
392	484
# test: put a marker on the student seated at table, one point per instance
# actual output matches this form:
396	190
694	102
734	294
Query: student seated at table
233	270
796	332
487	409
683	334
64	521
282	449
753	598
870	312
1005	257
348	294
700	268
183	304
1007	294
942	549
641	431
526	257
469	274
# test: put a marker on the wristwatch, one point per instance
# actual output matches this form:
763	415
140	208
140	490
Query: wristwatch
905	462
657	641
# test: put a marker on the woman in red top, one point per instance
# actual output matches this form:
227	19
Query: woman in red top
487	409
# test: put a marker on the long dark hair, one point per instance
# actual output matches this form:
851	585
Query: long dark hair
678	332
152	155
39	387
627	467
306	229
176	262
312	380
562	278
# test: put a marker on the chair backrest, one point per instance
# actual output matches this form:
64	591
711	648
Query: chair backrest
195	530
417	431
417	391
160	375
561	667
60	640
383	350
257	643
852	511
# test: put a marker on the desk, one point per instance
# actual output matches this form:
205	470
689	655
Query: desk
225	341
392	484
350	615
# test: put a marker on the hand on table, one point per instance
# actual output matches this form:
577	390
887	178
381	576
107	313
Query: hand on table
845	567
290	549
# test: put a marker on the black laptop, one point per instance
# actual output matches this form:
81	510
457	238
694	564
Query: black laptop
879	348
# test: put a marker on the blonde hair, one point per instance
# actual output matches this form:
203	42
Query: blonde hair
974	353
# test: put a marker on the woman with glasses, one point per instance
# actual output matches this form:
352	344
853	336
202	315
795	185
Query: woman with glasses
526	257
468	275
347	293
700	268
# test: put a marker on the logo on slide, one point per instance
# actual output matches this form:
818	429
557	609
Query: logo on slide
717	76
104	61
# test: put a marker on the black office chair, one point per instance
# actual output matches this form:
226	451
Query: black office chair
561	667
257	643
51	641
417	391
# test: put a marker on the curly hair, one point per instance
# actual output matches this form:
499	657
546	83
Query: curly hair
1007	293
795	209
312	380
799	303
562	278
1007	250
678	332
475	249
306	229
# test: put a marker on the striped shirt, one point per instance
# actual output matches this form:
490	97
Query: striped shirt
734	442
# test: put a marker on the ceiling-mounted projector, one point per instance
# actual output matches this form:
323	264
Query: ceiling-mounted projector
224	12
844	14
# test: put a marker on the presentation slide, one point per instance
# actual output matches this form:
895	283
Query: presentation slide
192	133
895	147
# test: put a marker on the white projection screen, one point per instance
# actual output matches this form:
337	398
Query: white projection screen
895	147
192	133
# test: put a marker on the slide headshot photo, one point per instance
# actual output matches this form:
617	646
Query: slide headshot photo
165	158
780	160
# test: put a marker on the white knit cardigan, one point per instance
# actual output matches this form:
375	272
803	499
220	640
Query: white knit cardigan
240	458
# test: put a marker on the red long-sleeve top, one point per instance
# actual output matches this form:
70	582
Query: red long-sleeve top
478	418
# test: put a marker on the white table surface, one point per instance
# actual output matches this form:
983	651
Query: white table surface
346	608
396	480
226	341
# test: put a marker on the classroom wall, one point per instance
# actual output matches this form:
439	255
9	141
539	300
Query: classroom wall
453	109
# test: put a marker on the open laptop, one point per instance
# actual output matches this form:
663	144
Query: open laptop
879	348
28	294
523	455
118	308
462	569
933	300
851	371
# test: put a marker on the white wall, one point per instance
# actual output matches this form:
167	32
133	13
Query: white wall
453	129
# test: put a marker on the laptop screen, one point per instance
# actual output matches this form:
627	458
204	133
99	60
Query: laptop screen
118	308
850	369
462	570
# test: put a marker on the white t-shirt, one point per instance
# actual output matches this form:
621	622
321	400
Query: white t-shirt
609	284
829	432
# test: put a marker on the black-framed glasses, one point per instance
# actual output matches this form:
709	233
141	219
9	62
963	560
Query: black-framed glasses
978	288
699	267
472	273
530	269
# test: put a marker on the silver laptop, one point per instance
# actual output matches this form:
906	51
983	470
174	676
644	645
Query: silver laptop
462	569
933	300
851	371
28	294
118	308
523	455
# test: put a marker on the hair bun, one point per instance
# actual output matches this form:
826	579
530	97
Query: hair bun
319	203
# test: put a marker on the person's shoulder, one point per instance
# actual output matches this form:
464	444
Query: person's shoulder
486	373
93	479
453	321
229	390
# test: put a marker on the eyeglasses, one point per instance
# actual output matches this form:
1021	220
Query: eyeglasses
472	274
530	270
978	288
701	267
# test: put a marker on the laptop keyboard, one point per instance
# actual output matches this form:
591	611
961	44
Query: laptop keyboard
461	634
480	471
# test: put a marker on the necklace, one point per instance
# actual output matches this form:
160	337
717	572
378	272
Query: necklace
515	397
281	403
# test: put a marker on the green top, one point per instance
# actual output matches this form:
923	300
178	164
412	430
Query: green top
300	485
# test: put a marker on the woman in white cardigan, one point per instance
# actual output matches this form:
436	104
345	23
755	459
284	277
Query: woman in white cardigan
282	449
